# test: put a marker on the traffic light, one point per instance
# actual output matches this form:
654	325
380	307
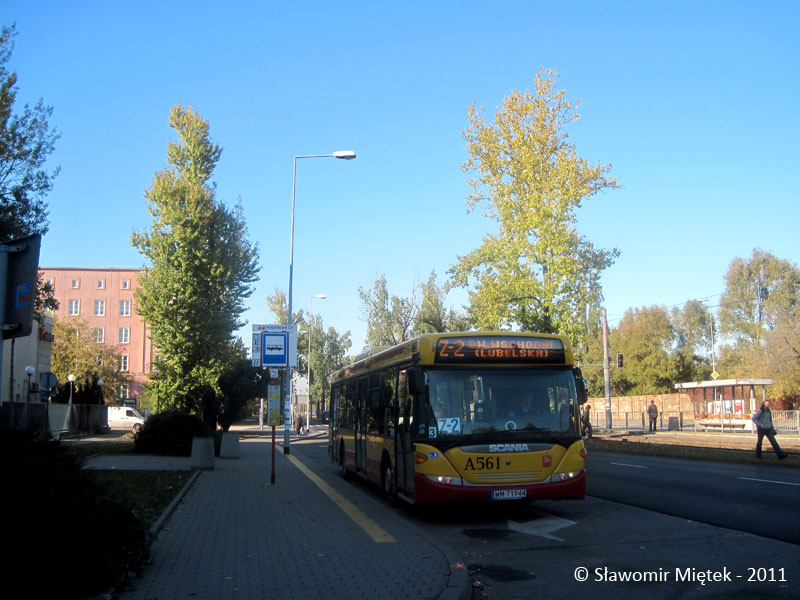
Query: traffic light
620	359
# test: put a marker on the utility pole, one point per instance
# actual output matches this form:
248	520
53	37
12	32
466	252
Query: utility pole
606	369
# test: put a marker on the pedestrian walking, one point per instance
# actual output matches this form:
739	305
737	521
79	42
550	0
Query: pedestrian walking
298	424
764	428
652	412
586	422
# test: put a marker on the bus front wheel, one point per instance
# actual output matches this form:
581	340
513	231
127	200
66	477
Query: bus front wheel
342	469
387	483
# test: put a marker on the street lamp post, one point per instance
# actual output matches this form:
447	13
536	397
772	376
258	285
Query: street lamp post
68	419
308	358
29	371
342	154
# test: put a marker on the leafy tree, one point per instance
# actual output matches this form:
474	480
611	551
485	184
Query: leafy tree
759	291
537	272
433	316
328	355
783	358
389	318
278	306
45	300
201	271
759	314
26	140
646	337
239	384
75	352
692	330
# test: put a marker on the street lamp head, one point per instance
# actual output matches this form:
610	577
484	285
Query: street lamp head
30	370
71	377
321	296
345	154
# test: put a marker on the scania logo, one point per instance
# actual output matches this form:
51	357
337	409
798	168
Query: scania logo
508	447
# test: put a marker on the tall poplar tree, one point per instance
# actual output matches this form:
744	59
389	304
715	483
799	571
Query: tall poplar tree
536	272
201	270
26	140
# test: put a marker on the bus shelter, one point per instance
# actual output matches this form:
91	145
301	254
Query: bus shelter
726	398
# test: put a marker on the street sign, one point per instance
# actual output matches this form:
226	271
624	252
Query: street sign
18	285
282	342
274	405
715	376
274	349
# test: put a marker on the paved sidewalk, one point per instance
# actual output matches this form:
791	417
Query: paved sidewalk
235	535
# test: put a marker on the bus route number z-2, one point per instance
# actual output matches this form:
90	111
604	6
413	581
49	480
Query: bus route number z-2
483	463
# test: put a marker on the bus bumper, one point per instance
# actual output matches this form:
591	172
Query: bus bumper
432	492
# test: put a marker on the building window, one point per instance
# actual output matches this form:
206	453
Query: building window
98	334
124	335
126	284
124	308
76	284
74	308
124	390
123	363
99	308
101	284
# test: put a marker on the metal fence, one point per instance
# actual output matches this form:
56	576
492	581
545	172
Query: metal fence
785	421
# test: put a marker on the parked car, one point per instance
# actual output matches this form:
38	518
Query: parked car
124	417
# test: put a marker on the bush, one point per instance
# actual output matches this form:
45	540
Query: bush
66	537
170	433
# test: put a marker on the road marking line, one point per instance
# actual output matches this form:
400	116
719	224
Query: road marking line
543	527
769	481
627	465
372	529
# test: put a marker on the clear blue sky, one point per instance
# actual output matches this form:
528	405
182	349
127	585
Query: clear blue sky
694	103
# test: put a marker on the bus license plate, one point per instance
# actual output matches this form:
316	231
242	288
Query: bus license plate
508	494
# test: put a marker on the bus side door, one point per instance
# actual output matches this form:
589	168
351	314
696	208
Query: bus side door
362	408
404	459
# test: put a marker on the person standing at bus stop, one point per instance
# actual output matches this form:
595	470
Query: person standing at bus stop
652	412
586	421
764	427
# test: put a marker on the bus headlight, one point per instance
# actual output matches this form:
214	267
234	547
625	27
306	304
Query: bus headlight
445	479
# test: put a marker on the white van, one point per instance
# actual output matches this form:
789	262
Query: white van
124	417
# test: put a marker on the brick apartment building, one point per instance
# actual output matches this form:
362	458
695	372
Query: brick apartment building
104	299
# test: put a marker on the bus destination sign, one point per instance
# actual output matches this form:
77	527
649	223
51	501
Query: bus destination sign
499	349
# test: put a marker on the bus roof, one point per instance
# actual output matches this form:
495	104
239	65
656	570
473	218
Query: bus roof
474	348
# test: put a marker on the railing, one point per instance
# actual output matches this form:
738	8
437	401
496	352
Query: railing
785	421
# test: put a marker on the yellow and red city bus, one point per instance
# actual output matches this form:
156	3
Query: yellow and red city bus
463	416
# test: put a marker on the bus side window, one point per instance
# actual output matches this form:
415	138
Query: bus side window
389	400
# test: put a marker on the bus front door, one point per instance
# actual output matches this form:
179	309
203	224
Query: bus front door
361	427
405	447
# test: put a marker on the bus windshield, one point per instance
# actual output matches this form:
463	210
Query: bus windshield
463	403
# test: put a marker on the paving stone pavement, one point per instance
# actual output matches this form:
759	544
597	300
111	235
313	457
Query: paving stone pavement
235	535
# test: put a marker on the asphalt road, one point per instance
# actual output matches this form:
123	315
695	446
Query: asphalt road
614	549
759	499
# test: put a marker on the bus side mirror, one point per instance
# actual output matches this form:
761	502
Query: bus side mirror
414	384
580	386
